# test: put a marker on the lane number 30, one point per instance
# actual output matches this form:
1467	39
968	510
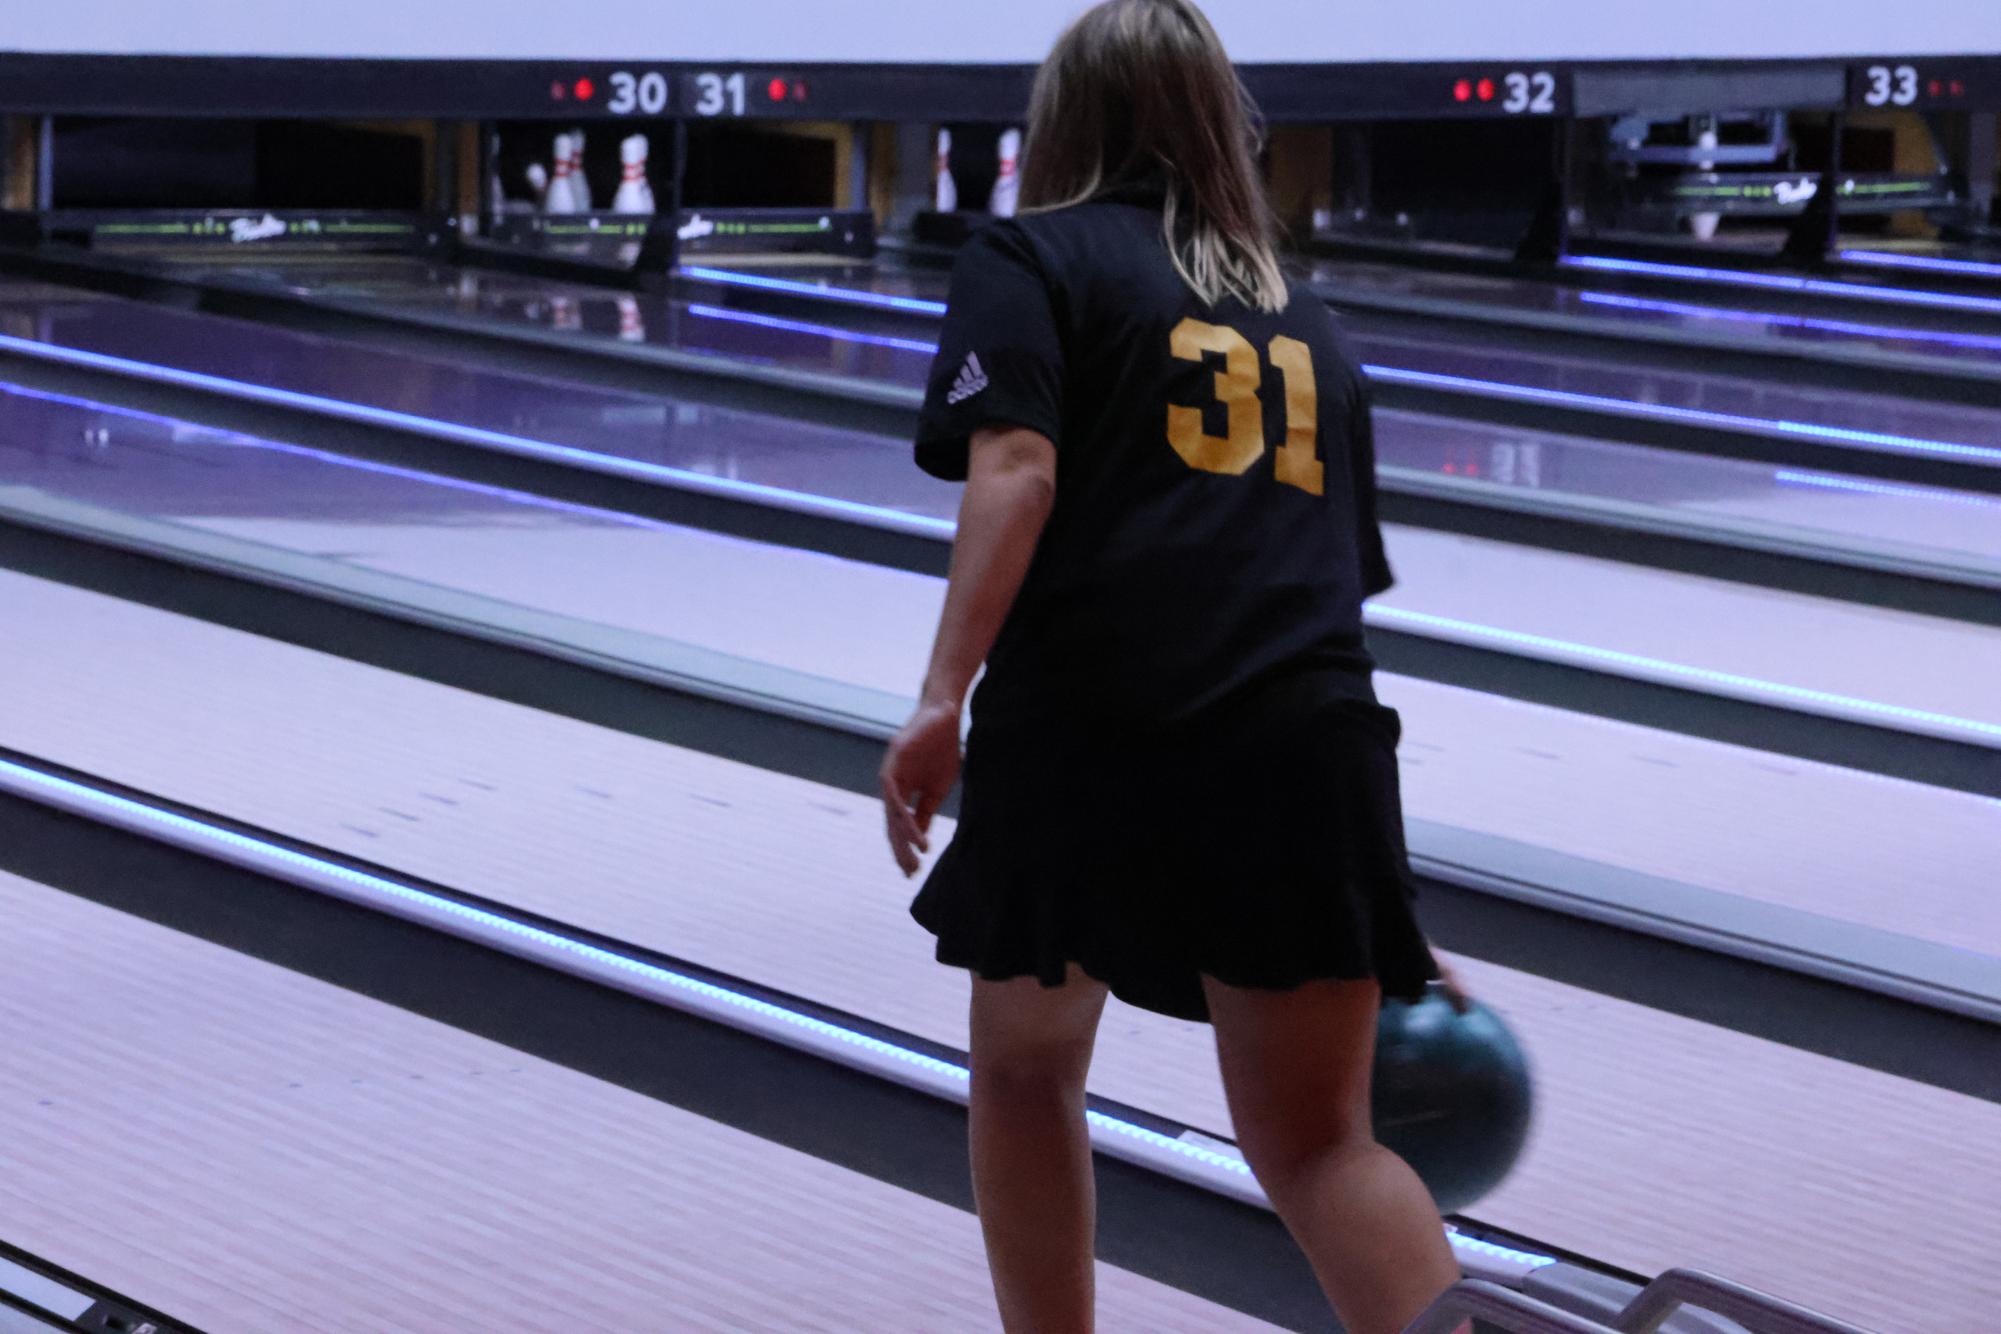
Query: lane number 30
645	93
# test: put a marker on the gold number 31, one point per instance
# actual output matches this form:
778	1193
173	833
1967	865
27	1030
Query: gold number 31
1237	387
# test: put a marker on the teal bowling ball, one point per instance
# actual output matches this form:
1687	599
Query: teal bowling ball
1452	1096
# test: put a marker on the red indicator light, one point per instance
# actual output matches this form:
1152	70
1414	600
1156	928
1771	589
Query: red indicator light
1936	88
586	90
1486	90
1462	91
799	92
558	92
1958	88
778	90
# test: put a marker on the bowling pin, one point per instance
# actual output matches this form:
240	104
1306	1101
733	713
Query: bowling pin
562	194
538	181
634	195
948	189
1704	224
580	182
496	189
631	320
1007	186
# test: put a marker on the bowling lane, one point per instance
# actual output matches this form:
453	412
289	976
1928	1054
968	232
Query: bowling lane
1933	525
1736	317
811	625
1847	418
1710	1151
1936	526
1843	419
643	428
1836	418
1850	418
39	311
331	1162
1908	672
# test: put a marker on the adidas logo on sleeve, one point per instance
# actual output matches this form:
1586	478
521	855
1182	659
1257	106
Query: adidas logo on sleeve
972	380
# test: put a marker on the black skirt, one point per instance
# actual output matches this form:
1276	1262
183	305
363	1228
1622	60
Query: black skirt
1261	845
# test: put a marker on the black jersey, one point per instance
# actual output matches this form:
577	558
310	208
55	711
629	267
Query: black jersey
1215	518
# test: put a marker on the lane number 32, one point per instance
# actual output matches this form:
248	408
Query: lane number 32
1533	94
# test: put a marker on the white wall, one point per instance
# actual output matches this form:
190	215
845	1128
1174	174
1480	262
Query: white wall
1004	31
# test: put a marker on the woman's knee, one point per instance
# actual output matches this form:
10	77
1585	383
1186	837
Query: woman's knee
1304	1151
1028	1076
1031	1041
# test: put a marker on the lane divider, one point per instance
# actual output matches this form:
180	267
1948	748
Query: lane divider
1890	259
1695	310
793	287
1783	282
1221	1170
1842	436
683	479
1826	702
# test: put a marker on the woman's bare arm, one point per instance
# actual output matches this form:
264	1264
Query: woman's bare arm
1010	487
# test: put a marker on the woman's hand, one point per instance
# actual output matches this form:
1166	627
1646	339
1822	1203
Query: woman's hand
917	775
1453	986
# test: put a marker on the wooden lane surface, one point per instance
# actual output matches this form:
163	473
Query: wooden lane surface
1659	1141
253	1150
1721	817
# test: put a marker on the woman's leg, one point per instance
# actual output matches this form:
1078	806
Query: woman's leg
1296	1067
1032	1150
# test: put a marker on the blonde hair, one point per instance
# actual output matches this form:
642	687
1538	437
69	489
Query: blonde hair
1142	91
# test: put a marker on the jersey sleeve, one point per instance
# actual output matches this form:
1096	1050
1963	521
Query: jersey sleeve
1000	354
1376	574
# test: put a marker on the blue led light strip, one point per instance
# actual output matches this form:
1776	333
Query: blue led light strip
181	830
1924	263
1938	495
792	287
1781	282
1985	342
819	330
678	478
1836	435
1823	701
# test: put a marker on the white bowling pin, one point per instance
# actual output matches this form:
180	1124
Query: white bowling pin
1007	186
1704	224
631	320
496	189
580	181
538	181
948	189
562	194
634	194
